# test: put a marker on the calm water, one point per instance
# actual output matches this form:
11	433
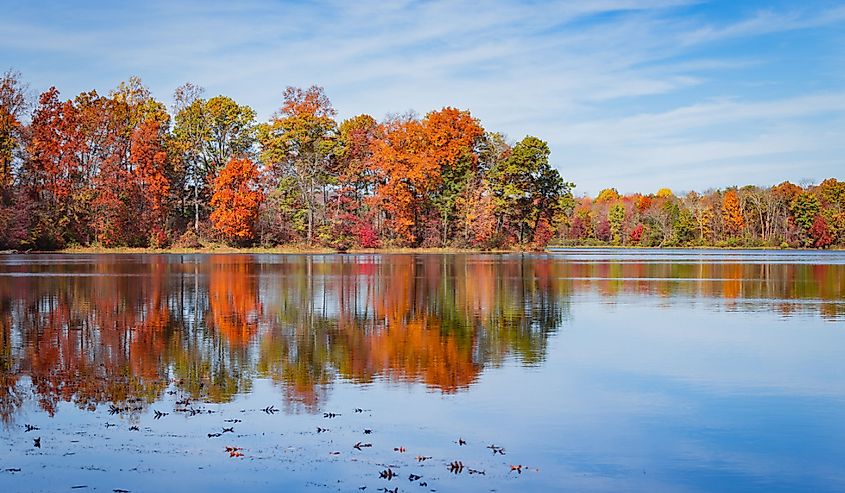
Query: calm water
594	370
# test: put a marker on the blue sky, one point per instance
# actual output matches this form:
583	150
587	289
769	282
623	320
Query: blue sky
634	94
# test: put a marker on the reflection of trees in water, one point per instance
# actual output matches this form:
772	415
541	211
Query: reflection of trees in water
754	286
119	331
430	319
11	395
124	329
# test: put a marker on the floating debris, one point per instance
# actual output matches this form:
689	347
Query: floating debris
424	484
367	431
134	428
13	469
456	467
37	442
461	442
387	474
232	421
496	449
109	425
413	477
229	430
331	415
421	458
401	450
214	435
115	409
79	486
477	471
235	451
517	468
322	430
334	452
360	445
270	410
31	428
118	490
394	490
159	414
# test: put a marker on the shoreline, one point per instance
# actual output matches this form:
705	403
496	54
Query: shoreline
304	250
281	250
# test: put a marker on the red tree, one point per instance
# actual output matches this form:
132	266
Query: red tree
820	233
150	175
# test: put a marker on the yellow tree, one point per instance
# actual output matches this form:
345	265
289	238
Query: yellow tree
299	146
13	104
607	195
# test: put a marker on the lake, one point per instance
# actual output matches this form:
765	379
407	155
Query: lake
576	370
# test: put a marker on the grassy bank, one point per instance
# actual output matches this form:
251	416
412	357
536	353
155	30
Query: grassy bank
282	249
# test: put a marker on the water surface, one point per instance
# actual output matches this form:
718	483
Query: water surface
595	370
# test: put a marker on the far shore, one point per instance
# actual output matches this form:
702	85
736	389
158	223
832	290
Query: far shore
315	250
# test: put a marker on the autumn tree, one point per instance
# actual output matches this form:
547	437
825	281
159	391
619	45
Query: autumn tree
299	145
452	137
404	175
662	217
13	105
819	232
236	200
50	174
124	134
208	134
664	193
349	213
480	222
15	215
607	195
732	213
149	156
354	153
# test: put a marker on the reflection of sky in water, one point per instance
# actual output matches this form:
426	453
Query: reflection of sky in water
645	384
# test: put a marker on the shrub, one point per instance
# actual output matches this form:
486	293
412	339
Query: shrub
189	239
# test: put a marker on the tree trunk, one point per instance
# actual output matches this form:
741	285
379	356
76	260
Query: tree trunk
196	207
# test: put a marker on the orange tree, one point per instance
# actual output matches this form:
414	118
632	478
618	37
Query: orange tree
732	213
237	196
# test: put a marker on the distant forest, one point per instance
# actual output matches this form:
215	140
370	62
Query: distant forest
124	170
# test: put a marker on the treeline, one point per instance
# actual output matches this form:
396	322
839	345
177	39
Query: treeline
126	170
785	215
